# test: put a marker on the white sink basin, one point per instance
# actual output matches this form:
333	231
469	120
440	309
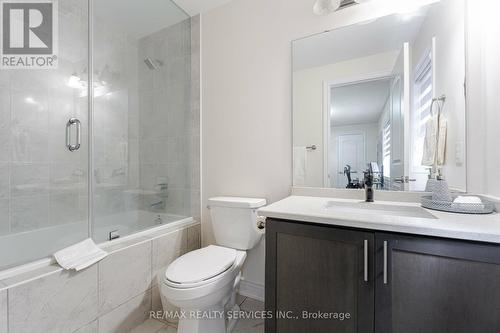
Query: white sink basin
380	209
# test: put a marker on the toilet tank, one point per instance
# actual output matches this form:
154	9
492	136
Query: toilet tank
234	221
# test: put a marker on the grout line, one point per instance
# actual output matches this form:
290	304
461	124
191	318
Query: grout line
243	301
125	302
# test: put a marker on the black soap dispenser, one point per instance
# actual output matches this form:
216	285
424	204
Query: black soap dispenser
369	192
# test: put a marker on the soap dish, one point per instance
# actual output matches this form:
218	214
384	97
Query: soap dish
485	207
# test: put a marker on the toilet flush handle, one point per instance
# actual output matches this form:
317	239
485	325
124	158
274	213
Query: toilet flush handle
261	222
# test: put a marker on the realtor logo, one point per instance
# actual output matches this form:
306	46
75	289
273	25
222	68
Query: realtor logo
29	34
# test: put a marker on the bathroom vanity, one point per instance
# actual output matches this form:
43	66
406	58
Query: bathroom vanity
399	269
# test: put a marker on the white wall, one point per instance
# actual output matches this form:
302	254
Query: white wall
247	99
309	99
483	97
449	71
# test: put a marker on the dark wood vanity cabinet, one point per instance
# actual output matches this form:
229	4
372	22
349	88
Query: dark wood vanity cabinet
318	270
436	285
388	283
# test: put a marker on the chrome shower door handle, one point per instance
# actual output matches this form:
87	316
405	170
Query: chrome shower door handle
76	123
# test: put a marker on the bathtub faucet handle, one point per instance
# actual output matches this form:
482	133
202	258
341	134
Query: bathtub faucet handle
113	235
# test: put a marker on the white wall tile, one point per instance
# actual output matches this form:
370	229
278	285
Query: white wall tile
67	208
68	178
149	326
4	180
167	329
124	275
29	144
193	238
60	302
3	311
28	213
156	298
29	179
30	107
4	216
4	143
196	205
164	112
4	124
166	249
127	316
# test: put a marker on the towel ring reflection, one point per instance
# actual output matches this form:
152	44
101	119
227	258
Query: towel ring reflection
440	103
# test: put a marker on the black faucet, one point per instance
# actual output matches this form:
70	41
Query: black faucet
369	191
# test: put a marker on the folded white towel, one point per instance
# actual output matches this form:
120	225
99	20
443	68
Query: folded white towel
80	255
299	165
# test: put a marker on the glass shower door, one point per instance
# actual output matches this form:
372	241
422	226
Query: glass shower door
43	158
141	116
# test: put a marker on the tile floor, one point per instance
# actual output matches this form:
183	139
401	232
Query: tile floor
243	325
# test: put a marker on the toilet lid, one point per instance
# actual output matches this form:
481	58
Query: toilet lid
201	265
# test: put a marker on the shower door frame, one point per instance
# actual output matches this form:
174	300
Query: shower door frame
90	117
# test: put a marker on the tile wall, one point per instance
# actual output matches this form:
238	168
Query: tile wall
165	118
114	295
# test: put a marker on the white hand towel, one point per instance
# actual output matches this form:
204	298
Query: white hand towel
299	165
430	141
441	145
80	255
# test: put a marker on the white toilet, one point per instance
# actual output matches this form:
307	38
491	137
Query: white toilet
203	283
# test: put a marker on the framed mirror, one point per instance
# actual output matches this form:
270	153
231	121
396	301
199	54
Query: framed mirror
386	95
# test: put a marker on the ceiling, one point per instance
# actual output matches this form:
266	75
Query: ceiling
141	18
195	7
138	18
360	103
379	36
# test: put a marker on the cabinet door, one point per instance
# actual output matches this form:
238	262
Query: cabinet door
436	286
318	269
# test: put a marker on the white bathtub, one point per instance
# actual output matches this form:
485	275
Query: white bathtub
26	247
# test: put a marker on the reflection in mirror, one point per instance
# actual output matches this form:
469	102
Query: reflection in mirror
368	96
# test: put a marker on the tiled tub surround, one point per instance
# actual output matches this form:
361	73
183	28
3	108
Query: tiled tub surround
48	240
114	295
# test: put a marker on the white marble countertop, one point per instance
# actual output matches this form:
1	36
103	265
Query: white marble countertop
483	228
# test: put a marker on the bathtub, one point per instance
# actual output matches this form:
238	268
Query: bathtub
19	249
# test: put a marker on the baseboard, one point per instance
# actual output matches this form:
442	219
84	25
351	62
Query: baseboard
252	290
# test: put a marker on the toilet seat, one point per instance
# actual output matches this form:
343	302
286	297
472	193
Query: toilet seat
200	267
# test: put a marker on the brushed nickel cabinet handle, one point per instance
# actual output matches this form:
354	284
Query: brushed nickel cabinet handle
366	260
385	262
